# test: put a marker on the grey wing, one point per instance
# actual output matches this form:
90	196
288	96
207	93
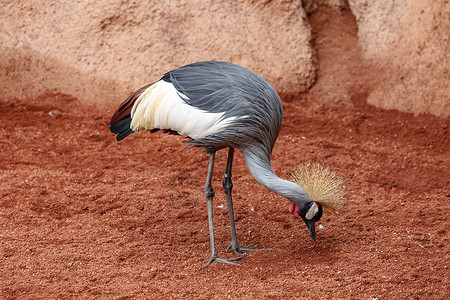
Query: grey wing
238	93
209	86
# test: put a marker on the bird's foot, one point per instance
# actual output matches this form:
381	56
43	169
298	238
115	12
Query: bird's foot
245	249
228	261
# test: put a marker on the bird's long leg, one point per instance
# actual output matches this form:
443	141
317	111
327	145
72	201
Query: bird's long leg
227	187
209	193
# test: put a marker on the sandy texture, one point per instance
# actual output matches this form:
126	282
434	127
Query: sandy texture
98	51
410	41
84	216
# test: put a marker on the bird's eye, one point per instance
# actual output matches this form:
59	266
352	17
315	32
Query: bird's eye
319	213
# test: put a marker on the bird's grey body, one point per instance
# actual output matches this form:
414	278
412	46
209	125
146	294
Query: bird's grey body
243	94
219	105
220	87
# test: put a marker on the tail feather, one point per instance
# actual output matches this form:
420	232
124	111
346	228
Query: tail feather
121	120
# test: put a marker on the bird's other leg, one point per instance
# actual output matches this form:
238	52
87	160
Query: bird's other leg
209	193
227	187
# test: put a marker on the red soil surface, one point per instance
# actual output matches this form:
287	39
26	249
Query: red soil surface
84	216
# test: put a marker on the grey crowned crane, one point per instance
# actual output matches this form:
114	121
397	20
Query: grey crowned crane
219	105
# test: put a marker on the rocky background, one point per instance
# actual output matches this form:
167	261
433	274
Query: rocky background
101	51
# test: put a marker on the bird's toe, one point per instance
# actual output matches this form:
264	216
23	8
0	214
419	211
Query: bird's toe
245	249
228	261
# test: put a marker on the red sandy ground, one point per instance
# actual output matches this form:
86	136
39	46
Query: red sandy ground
82	216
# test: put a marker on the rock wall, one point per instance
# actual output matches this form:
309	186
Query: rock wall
102	50
410	40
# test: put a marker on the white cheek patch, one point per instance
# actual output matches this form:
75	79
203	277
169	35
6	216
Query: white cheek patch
312	211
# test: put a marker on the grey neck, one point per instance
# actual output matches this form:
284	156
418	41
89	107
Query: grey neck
258	162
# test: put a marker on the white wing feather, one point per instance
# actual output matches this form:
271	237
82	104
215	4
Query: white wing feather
161	106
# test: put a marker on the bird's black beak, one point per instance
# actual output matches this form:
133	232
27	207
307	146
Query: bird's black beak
311	225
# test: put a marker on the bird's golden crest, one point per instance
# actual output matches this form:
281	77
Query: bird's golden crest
322	184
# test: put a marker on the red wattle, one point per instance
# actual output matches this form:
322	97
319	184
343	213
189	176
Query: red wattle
293	209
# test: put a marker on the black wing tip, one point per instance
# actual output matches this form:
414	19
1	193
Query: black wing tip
124	134
121	128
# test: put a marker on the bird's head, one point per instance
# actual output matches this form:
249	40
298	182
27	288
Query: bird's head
310	212
320	185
